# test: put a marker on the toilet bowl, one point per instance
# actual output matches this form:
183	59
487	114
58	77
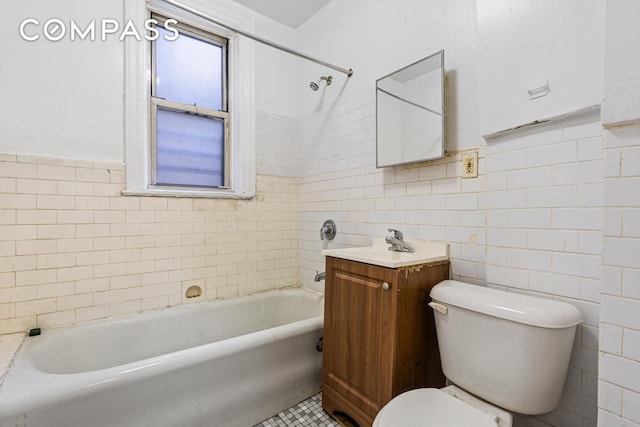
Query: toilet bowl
446	407
488	341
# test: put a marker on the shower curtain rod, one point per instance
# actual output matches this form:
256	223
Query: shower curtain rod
348	72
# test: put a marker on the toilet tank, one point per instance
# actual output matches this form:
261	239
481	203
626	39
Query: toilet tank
510	349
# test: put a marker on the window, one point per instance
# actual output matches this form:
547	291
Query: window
190	120
222	161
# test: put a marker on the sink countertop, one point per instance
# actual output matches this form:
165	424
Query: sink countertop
378	253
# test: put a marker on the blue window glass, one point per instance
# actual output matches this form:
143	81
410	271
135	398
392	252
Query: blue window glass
190	150
189	71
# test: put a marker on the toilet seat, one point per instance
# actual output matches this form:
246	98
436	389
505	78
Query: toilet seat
431	407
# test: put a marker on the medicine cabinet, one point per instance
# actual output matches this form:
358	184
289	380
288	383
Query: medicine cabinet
410	113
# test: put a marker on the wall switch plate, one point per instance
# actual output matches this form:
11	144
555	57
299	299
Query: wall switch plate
470	164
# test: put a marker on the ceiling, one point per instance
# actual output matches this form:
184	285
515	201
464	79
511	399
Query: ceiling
291	13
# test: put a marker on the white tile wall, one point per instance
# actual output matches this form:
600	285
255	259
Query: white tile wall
619	382
540	218
72	249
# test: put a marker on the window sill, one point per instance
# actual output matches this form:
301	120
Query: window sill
203	194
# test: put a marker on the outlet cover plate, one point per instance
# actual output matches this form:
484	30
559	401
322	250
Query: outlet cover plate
470	164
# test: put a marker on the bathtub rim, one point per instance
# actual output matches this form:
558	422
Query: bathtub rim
23	373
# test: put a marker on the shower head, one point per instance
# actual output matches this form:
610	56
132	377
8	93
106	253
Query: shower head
315	85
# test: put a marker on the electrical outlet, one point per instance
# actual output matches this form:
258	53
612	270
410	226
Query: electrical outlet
470	164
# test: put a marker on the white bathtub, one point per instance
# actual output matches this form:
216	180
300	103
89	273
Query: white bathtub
234	362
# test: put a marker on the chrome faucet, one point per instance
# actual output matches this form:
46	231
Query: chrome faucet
396	241
319	276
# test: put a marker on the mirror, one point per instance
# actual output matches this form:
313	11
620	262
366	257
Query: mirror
410	113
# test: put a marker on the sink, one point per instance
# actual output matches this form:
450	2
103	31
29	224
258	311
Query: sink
379	254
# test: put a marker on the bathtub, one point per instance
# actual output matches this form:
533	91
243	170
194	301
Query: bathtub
233	362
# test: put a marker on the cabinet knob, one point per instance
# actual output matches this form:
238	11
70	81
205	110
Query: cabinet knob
385	286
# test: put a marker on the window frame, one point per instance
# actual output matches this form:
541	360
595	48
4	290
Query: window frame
241	101
156	103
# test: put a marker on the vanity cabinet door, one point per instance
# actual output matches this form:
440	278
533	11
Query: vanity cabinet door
360	305
379	335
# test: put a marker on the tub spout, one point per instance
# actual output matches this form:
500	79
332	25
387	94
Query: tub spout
319	276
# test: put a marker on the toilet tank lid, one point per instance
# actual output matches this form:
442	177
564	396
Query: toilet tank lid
527	309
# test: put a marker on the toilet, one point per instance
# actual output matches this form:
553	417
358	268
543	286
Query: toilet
502	352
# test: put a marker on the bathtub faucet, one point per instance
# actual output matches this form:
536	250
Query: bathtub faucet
396	241
319	276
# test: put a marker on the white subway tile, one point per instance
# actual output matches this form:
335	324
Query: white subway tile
530	178
505	276
585	130
622	192
578	173
529	218
84	314
612	163
631	344
590	242
92	203
553	240
74	188
505	161
34	277
35	186
497	181
56	231
56	260
59	173
577	264
552	154
75	217
92	258
631	222
631	161
92	285
74	273
631	405
577	218
610	397
18	170
34	307
509	199
462	202
507	237
631	283
45	201
590	289
621	252
590	148
553	197
57	319
446	186
612	225
619	311
92	175
615	369
74	245
554	284
72	302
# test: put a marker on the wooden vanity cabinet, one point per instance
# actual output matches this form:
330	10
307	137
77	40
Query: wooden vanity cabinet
379	335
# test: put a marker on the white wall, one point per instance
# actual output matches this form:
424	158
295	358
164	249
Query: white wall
65	98
61	98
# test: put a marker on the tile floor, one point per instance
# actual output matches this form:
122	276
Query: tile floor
307	413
